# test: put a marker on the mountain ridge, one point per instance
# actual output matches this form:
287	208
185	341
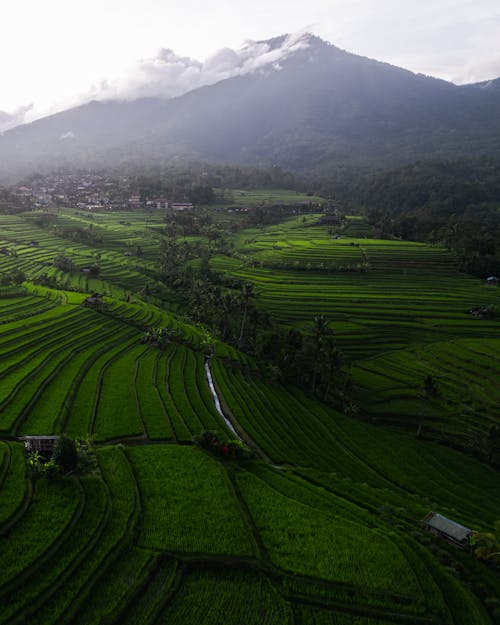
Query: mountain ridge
320	106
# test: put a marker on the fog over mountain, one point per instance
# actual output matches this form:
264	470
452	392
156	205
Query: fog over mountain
295	101
167	75
14	118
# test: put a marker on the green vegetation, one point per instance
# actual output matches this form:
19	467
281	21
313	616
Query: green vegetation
217	596
187	503
342	362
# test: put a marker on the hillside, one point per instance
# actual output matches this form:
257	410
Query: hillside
322	525
322	108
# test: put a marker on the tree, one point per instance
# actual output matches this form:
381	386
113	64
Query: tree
246	294
64	263
430	386
320	332
487	545
66	453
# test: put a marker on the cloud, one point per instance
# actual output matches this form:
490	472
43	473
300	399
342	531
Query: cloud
478	71
167	75
9	120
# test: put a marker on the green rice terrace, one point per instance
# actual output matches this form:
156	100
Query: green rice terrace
316	518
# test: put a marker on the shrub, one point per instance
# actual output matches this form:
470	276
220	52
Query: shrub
232	449
66	453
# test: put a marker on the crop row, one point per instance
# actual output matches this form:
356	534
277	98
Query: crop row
52	508
310	541
314	616
83	371
64	558
375	311
15	490
280	419
187	504
112	537
26	384
465	396
285	425
234	597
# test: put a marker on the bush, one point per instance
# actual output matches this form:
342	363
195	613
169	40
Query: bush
66	453
232	449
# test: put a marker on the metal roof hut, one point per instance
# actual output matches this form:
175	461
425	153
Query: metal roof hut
451	531
492	280
43	444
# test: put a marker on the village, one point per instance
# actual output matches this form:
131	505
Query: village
91	192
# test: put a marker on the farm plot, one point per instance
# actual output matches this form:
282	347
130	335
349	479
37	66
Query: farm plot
312	542
463	400
52	508
15	489
315	436
149	601
286	426
151	406
30	374
187	502
83	404
234	597
408	293
116	409
118	272
315	616
34	589
111	540
112	596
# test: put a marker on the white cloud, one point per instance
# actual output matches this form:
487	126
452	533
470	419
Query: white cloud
168	75
9	120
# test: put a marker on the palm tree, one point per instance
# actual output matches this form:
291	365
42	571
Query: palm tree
320	332
246	294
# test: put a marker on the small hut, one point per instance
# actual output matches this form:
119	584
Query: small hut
447	529
492	281
43	444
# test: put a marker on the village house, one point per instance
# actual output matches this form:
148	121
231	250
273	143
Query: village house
135	200
181	206
449	530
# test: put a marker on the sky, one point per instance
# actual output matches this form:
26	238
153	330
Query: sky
60	53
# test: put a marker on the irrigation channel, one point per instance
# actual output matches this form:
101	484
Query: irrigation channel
217	400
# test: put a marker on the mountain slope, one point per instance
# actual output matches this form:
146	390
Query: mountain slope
321	106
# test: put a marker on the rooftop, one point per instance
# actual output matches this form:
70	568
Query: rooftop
447	526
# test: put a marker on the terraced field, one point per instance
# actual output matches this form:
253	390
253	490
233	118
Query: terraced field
67	367
322	526
106	240
464	371
400	312
189	538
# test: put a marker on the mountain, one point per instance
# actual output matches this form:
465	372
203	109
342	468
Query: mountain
321	107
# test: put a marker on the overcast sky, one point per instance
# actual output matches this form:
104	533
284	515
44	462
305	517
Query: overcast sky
57	53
